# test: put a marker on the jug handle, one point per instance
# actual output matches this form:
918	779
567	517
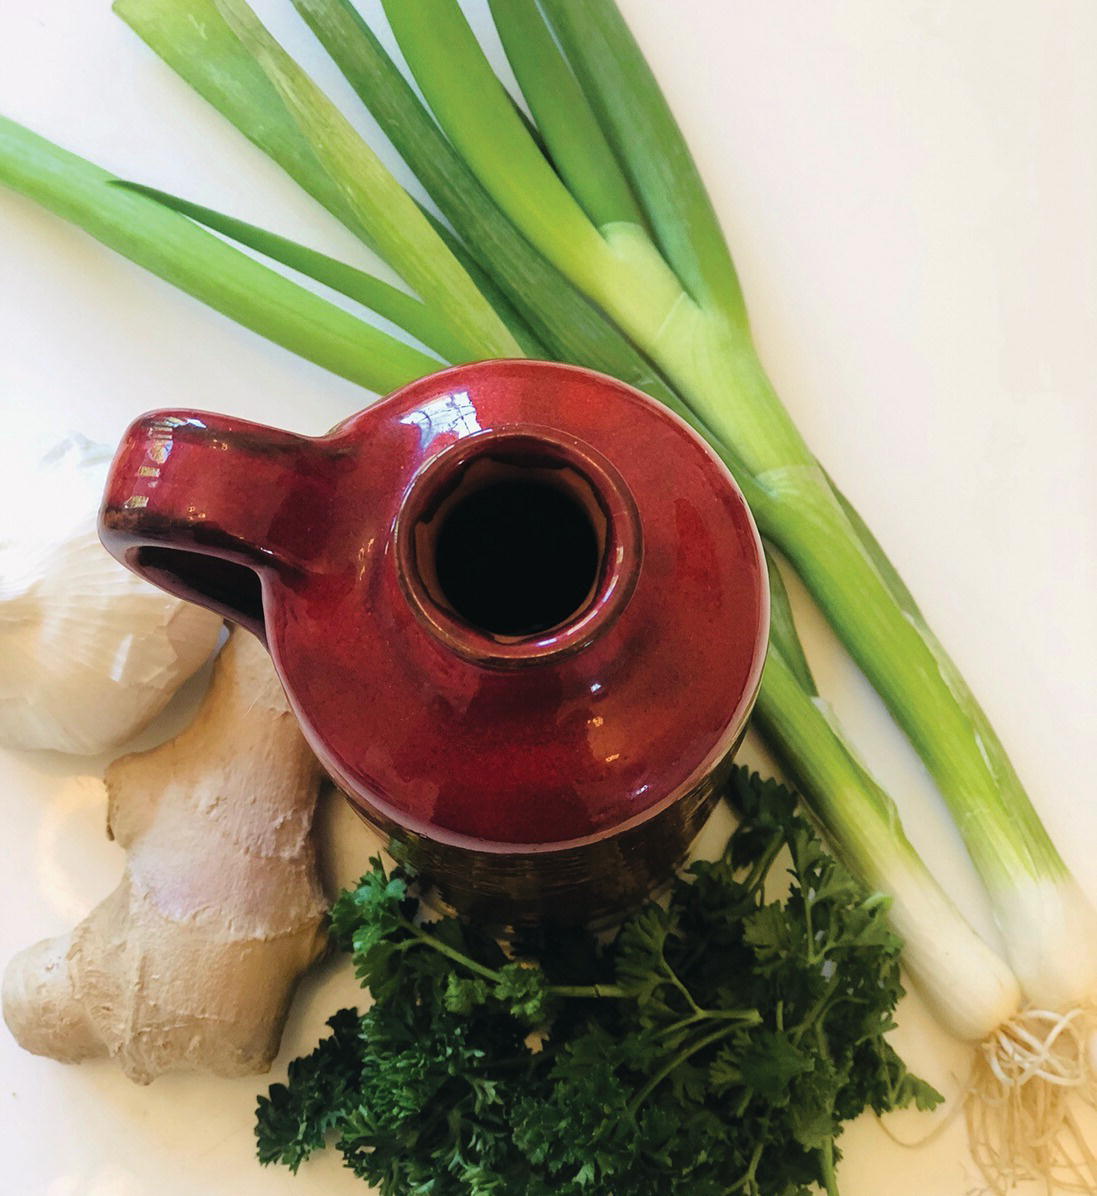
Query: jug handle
206	507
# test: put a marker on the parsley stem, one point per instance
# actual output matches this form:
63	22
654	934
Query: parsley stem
810	930
680	1058
749	1017
748	1183
762	865
557	990
817	1010
450	952
673	977
826	1162
587	990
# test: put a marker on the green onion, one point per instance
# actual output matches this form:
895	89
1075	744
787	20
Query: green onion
197	262
642	129
396	227
569	326
521	331
424	323
476	114
572	136
970	988
198	39
193	38
616	265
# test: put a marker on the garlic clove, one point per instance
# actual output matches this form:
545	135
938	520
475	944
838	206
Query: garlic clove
89	653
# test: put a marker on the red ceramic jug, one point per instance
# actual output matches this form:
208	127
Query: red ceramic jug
519	608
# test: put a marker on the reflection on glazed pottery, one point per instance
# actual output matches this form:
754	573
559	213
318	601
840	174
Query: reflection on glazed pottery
519	608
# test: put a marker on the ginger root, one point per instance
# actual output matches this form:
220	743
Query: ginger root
191	962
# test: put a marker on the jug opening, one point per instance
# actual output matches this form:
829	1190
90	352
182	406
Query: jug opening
516	555
513	546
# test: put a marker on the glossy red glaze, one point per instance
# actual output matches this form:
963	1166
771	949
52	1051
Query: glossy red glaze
438	731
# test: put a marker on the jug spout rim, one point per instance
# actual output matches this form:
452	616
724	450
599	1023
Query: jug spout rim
545	456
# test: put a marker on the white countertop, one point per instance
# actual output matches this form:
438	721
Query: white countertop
909	190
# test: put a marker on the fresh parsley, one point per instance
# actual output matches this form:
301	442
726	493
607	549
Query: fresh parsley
715	1046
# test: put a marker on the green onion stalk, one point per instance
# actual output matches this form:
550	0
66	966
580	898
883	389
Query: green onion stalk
970	987
584	233
1030	1062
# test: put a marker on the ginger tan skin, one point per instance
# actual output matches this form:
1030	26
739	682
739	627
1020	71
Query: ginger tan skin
190	964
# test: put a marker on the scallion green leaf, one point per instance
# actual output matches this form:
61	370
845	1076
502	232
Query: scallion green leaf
473	108
638	121
389	302
391	218
580	152
197	262
192	37
567	324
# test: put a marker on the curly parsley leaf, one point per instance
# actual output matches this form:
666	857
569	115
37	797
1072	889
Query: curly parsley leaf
716	1045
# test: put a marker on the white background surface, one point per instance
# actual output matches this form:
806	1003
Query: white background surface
909	189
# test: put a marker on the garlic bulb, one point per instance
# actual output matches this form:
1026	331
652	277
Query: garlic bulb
89	653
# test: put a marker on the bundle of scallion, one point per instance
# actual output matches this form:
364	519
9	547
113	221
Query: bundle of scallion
583	232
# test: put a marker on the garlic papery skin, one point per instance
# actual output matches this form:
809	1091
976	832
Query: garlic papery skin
89	653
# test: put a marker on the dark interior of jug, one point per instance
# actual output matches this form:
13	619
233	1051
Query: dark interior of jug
512	542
